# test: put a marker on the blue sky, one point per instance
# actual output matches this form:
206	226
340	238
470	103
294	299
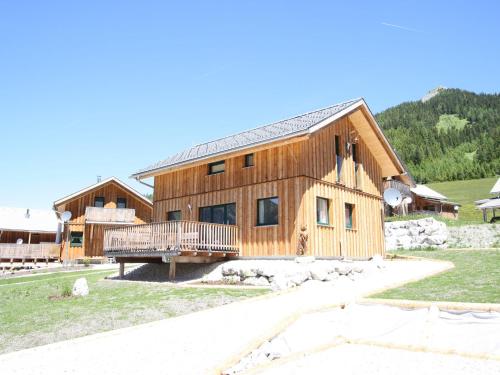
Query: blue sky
106	88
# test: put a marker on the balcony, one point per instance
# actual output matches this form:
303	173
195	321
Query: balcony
44	250
398	185
172	238
100	215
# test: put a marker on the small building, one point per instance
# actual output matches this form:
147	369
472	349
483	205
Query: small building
27	234
106	204
492	204
428	201
311	184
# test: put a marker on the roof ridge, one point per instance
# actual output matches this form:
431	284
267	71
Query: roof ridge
278	121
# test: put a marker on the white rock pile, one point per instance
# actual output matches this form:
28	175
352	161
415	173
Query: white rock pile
80	287
415	234
284	274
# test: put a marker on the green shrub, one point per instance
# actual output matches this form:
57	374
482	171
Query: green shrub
86	261
66	290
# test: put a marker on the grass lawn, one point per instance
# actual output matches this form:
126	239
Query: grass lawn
32	311
475	278
465	193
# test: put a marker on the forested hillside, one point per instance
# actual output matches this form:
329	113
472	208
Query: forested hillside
453	136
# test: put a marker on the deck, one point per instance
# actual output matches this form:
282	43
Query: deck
171	239
44	250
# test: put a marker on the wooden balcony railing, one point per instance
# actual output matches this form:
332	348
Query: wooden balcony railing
44	250
171	238
110	215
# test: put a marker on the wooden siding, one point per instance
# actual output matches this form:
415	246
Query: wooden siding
297	173
94	233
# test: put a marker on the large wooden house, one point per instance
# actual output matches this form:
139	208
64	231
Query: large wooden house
106	204
311	184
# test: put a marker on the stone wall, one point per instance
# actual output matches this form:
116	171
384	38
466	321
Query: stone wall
415	234
476	236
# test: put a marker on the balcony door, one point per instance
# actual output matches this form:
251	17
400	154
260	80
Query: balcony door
219	214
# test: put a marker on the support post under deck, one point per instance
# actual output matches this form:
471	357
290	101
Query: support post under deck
122	269
171	269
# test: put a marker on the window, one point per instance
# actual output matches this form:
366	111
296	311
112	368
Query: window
217	167
99	202
121	203
357	175
349	216
174	215
76	239
338	157
248	160
322	211
220	214
267	211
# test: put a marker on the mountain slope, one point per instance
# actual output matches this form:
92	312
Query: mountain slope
455	135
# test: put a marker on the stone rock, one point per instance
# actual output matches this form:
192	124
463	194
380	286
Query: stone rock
332	276
256	281
378	261
232	279
415	234
80	287
318	272
229	269
248	272
300	276
305	259
343	270
280	282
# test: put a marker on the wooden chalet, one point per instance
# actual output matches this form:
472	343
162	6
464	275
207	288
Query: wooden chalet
108	203
311	184
28	234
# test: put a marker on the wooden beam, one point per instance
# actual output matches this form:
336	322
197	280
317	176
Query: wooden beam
171	269
122	270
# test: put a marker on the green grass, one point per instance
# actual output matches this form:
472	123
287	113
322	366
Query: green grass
450	121
465	193
475	278
33	311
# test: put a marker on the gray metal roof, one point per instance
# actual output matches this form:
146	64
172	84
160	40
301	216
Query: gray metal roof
261	135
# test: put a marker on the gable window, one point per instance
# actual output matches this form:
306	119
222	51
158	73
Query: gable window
248	160
322	211
217	167
267	211
99	202
349	216
338	157
121	203
174	215
219	214
76	239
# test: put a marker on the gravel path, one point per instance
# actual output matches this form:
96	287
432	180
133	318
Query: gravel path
201	342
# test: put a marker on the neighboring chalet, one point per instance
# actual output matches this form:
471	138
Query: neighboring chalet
311	184
428	201
28	234
106	204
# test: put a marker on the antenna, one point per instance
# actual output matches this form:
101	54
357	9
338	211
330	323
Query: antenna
393	197
65	216
407	200
98	178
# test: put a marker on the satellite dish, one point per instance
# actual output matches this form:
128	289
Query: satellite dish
65	216
393	197
456	208
407	200
19	241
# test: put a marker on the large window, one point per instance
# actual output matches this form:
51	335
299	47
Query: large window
248	160
267	211
355	159
76	239
99	202
322	211
349	216
220	214
217	167
121	203
338	158
174	215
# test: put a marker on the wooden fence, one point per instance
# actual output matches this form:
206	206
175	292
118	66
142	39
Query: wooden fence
44	250
172	236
